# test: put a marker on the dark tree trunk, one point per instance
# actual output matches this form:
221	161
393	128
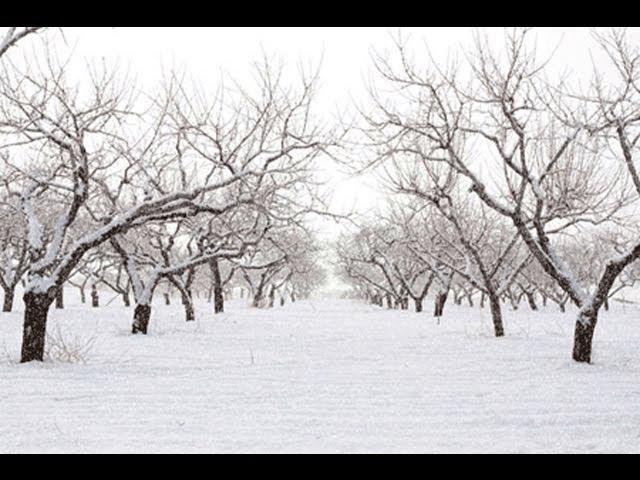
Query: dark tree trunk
457	300
218	301
95	297
83	295
257	298
9	294
496	314
189	313
404	303
562	307
187	301
544	300
583	336
36	310
167	299
141	317
441	299
126	299
470	300
218	297
482	299
532	300
60	298
418	302
242	293
606	304
389	301
293	297
282	301
272	296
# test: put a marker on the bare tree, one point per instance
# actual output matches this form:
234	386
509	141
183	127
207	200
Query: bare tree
481	249
97	158
14	246
220	281
13	35
554	177
13	250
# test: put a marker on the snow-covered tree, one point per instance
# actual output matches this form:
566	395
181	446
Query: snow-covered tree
13	249
96	155
481	248
499	131
13	35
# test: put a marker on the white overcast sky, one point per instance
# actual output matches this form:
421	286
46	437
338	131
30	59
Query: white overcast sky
345	53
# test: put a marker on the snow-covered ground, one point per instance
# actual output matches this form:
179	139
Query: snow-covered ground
323	376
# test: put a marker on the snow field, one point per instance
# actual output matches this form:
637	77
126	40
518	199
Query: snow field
323	375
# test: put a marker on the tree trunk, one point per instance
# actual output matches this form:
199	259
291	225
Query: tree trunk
36	310
218	301
218	297
441	299
418	302
482	299
606	304
125	299
60	298
257	298
167	299
272	296
282	301
496	314
141	316
532	300
470	300
189	313
83	295
562	307
293	297
389	301
95	297
187	301
544	300
9	294
583	336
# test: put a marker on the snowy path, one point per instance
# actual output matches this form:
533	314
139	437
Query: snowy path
325	376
